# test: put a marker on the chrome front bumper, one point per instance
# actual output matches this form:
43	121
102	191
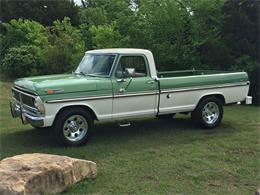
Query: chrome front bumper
27	116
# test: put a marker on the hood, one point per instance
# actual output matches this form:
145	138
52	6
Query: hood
65	83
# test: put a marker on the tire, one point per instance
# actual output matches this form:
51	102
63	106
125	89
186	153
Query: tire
166	116
208	113
72	127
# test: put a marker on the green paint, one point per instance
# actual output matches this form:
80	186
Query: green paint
78	86
202	79
70	84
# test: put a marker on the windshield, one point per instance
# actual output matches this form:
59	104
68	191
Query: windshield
96	64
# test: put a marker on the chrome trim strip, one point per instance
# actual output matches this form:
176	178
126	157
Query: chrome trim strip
136	94
102	97
203	75
78	99
33	117
29	107
24	92
203	88
23	89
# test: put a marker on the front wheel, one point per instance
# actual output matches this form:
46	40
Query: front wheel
208	114
72	127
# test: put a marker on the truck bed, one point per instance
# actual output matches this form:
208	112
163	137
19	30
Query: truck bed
191	78
181	90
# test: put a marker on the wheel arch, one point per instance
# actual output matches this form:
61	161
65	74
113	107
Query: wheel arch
85	107
220	96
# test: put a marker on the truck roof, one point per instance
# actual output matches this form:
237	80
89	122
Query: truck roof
119	50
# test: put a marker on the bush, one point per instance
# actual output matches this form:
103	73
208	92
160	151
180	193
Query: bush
106	36
252	67
254	90
27	46
66	48
20	62
22	32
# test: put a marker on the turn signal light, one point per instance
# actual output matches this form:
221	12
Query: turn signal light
50	91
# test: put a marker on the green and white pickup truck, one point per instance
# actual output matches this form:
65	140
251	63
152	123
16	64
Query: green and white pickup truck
116	84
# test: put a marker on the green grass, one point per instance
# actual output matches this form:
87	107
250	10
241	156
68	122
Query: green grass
152	156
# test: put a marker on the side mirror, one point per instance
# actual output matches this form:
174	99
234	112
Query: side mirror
129	72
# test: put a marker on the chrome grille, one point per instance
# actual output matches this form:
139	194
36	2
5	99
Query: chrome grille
16	95
28	100
23	98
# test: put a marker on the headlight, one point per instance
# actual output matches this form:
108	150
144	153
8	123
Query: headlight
39	104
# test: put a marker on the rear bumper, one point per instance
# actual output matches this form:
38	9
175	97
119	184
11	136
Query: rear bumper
18	110
248	100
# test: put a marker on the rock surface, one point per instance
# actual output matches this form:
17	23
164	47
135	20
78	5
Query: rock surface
42	173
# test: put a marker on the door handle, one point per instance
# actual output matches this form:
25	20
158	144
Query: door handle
150	82
120	80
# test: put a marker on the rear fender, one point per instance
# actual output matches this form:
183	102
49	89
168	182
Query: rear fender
215	94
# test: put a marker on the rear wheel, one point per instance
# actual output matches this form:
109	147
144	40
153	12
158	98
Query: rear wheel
208	114
72	127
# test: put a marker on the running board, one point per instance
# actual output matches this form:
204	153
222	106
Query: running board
124	123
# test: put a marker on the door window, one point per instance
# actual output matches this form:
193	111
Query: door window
135	64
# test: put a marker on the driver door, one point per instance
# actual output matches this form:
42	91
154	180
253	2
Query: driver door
134	91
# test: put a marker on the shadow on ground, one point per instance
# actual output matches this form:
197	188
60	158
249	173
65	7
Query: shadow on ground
110	133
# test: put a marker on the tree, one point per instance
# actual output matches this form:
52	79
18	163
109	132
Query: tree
91	16
207	21
241	28
241	35
21	61
45	11
53	50
105	13
22	32
66	48
165	28
23	42
106	36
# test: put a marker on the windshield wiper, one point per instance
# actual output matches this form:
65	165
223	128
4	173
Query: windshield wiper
92	75
82	73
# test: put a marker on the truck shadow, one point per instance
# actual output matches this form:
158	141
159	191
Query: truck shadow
107	133
152	128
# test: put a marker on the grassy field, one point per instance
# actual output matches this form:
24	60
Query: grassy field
153	156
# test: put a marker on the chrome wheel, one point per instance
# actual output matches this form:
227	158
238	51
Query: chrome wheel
210	113
75	128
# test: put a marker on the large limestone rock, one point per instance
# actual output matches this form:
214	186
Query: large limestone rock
42	173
